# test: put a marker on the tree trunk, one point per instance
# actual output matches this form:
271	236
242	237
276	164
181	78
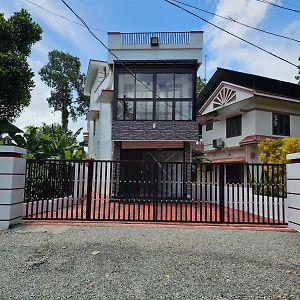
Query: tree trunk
64	118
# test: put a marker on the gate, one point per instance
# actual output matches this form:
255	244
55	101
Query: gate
144	191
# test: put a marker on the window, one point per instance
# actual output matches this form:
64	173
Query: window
281	124
164	110
144	86
144	110
234	126
183	86
234	173
126	87
165	86
209	126
170	98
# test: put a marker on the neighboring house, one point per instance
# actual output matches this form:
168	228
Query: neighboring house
239	110
150	117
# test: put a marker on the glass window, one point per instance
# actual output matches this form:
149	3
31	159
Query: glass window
126	86
120	110
145	87
128	110
183	110
209	126
144	110
165	86
234	126
281	124
164	110
183	86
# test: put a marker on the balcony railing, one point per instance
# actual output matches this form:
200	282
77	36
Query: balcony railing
163	38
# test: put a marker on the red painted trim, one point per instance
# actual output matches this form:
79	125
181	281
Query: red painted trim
10	154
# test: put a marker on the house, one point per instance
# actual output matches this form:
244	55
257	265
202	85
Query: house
143	98
239	110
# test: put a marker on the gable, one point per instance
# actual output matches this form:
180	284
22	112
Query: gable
224	95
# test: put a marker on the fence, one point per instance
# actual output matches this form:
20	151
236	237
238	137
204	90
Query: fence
155	191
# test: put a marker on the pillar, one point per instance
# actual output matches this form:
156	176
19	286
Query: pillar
293	191
12	184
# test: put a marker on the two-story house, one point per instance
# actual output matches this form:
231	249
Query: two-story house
143	98
239	110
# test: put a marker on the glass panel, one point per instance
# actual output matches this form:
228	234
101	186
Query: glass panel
183	86
144	89
126	87
163	110
183	110
128	109
120	110
165	85
144	110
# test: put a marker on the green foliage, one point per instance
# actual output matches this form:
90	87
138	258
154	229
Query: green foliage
50	142
298	76
199	86
17	35
62	74
274	151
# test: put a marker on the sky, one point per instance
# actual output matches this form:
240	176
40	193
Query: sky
219	48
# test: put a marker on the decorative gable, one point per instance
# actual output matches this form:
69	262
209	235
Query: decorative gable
225	96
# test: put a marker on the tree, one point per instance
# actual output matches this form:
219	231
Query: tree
298	76
199	85
274	151
62	74
17	35
50	142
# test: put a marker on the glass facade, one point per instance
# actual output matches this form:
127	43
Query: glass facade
155	96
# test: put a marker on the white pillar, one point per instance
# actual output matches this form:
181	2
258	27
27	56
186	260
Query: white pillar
293	191
12	183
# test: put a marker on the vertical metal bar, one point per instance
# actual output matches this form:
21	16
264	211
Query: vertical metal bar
101	216
283	191
210	193
268	192
89	189
221	192
258	192
248	184
273	196
95	190
104	190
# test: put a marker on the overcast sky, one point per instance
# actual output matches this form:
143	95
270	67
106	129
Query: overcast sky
221	49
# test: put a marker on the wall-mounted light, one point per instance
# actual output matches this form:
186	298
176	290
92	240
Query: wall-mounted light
154	41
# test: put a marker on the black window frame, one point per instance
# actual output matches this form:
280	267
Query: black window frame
232	130
209	126
285	120
152	70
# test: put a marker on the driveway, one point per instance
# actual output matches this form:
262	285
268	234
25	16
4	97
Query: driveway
147	262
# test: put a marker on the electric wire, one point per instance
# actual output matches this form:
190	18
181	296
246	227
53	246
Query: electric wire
238	22
232	34
279	6
118	59
61	16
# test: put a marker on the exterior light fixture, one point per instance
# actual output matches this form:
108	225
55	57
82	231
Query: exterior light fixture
154	41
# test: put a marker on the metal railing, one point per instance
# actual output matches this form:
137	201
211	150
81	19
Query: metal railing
163	38
146	191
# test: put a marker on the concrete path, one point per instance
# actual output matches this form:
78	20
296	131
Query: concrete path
147	262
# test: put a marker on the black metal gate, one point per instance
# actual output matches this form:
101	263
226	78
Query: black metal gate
155	191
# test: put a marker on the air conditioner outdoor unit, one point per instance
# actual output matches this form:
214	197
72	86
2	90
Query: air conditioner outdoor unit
218	143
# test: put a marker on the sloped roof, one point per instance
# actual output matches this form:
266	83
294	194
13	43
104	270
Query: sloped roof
7	127
257	83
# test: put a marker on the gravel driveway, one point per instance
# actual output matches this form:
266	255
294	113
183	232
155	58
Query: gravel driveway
142	262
